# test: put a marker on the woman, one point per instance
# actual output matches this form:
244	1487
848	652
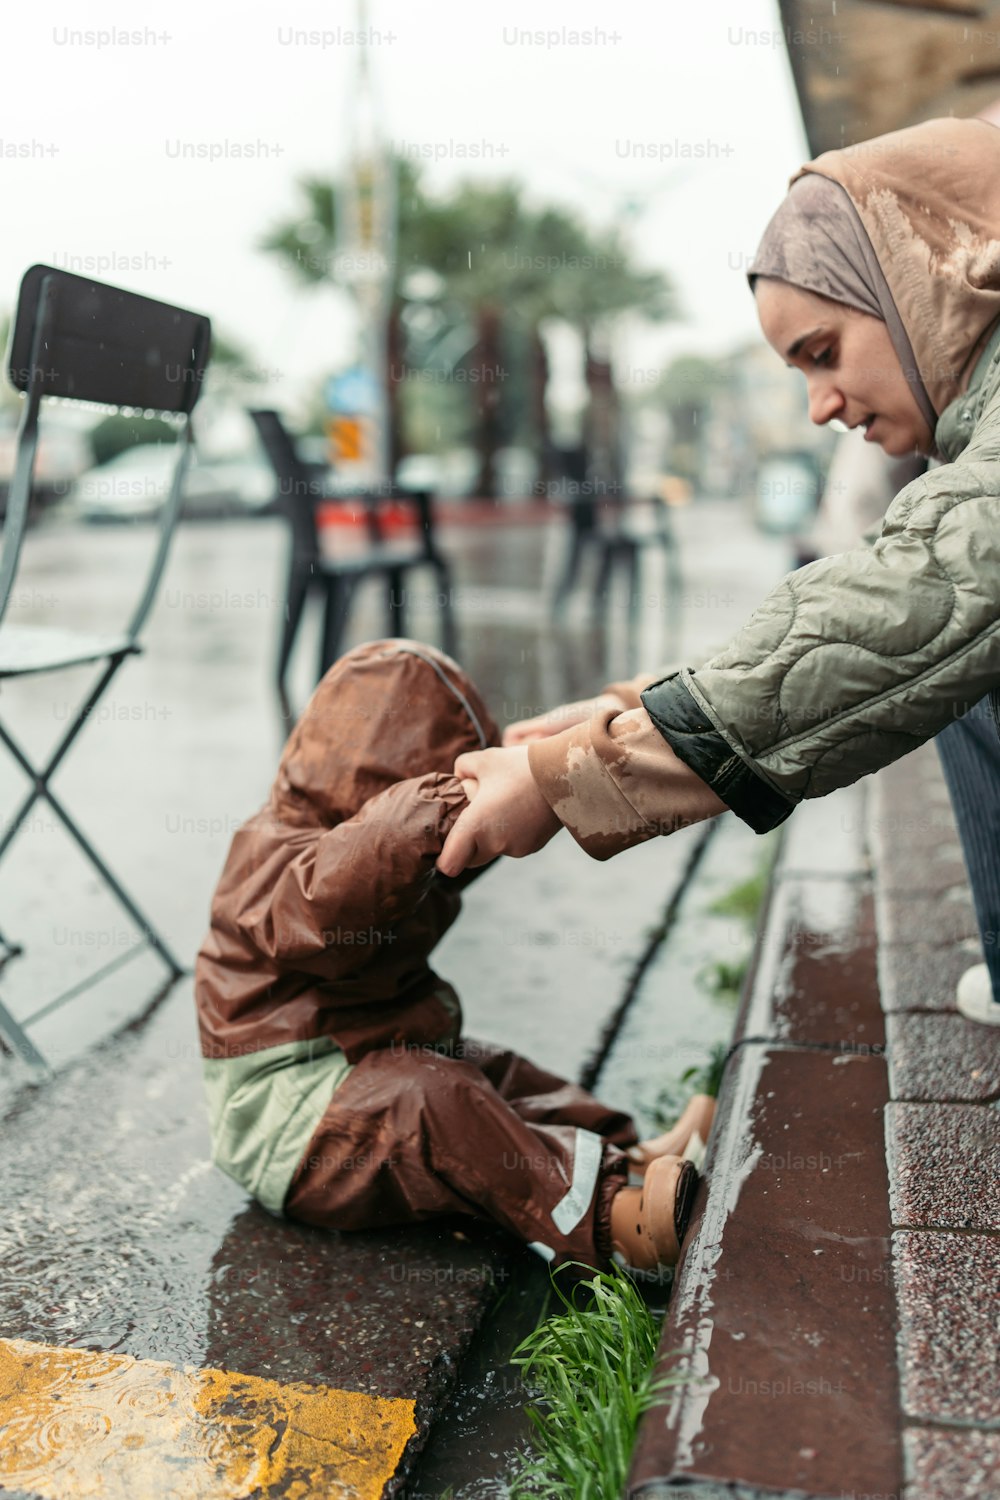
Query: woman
879	279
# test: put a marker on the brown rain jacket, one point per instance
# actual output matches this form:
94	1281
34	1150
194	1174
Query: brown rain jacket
330	904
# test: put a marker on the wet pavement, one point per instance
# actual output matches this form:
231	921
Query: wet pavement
835	1309
160	1332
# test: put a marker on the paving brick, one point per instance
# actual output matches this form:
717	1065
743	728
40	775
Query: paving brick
828	835
937	920
941	1057
911	826
949	1343
913	976
934	869
914	826
951	1465
944	1165
913	768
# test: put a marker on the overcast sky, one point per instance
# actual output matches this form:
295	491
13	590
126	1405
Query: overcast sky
689	109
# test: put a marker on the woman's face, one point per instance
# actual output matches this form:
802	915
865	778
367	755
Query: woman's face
852	370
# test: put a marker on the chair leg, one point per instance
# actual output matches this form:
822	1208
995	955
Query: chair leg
18	1041
298	587
603	577
571	568
142	922
633	562
395	616
13	949
40	789
339	592
633	584
675	589
449	630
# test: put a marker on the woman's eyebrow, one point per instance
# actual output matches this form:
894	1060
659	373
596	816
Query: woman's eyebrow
793	349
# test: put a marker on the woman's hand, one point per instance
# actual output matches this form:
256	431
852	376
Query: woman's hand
507	814
557	719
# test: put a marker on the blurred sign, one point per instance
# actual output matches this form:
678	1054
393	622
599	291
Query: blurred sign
350	440
352	401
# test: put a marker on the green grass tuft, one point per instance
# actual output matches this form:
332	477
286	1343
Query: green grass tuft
707	1078
742	900
592	1367
724	980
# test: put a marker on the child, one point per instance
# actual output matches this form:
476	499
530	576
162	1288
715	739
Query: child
340	1089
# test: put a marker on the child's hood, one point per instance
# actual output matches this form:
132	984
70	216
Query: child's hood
356	737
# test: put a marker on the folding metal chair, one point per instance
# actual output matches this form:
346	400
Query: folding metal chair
77	338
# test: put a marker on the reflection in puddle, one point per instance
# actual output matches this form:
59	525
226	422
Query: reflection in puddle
74	1422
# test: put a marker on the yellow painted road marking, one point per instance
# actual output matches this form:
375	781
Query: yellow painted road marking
75	1425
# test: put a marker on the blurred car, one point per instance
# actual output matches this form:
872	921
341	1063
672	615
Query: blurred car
135	484
63	453
787	492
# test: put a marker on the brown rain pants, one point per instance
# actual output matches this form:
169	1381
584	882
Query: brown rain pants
413	1133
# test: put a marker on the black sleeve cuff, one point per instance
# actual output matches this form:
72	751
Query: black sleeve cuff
693	737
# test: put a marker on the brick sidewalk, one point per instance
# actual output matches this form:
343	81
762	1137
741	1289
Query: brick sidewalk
836	1303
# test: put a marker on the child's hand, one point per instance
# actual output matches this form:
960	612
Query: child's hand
558	719
507	814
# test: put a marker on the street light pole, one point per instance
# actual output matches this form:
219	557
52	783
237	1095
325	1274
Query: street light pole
365	258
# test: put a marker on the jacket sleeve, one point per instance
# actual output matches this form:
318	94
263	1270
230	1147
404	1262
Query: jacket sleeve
613	782
309	897
855	660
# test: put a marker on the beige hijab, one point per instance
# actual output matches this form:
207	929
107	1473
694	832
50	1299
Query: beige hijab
928	199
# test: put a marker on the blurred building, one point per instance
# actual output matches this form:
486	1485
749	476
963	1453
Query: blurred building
865	67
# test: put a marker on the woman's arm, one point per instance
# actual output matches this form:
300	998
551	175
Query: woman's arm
612	782
847	665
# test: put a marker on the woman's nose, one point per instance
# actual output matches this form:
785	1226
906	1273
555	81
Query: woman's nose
825	402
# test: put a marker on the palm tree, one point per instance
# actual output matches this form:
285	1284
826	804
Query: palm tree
498	268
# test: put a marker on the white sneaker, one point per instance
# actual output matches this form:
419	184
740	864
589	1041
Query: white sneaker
974	996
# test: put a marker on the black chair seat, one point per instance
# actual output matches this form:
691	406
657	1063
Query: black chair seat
377	560
46	648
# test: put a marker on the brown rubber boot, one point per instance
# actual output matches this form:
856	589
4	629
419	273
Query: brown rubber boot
648	1222
696	1120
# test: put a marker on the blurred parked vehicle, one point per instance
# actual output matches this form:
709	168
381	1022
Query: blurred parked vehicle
787	491
133	485
63	453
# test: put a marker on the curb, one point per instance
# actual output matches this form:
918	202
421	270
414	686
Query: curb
783	1320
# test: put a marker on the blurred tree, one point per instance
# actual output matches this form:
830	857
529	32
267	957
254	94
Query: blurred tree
477	273
687	389
112	435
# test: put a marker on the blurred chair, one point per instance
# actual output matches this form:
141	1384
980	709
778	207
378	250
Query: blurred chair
77	338
616	531
301	487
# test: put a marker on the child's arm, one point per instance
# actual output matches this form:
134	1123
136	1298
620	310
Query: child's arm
311	905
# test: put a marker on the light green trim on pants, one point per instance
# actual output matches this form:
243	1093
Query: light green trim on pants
263	1109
